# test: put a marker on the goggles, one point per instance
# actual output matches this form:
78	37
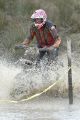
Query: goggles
38	20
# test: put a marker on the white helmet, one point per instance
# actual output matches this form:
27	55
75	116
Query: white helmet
39	15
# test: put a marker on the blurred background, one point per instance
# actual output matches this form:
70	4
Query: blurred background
15	21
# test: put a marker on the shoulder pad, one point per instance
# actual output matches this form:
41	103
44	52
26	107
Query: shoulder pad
53	27
50	25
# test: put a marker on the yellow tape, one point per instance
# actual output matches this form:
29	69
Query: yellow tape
8	101
31	97
38	94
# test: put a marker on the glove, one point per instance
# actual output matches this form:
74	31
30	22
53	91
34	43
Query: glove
47	48
21	46
43	49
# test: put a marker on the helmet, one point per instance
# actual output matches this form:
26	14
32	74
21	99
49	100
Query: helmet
39	17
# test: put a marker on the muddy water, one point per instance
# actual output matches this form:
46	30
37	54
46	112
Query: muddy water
42	108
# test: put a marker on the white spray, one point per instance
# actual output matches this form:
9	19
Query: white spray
17	83
7	78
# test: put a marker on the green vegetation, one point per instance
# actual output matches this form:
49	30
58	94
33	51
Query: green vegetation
15	18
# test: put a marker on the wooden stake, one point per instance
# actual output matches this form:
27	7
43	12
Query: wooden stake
70	88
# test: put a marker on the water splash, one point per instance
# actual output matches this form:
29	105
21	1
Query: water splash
7	78
17	82
33	80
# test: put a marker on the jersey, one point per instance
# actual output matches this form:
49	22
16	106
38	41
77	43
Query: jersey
46	35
